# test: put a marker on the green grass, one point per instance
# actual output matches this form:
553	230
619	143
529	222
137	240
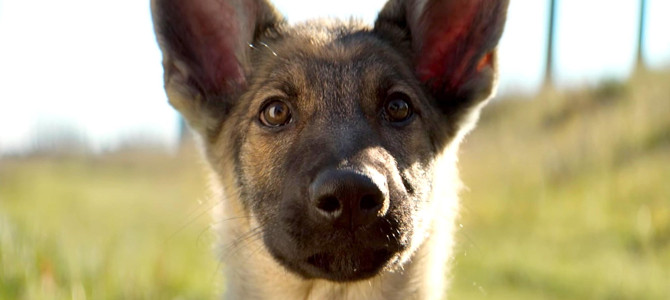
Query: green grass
121	226
568	198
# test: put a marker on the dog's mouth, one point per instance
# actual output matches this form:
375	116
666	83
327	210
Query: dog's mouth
339	256
347	267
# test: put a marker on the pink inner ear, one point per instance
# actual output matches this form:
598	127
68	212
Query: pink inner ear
217	39
452	37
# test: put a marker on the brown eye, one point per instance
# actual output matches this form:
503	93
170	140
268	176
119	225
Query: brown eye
275	114
397	107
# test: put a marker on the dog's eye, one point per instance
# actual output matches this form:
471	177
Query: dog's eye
397	107
275	113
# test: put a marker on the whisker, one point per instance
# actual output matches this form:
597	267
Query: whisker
234	246
237	244
252	46
191	219
266	46
216	222
211	227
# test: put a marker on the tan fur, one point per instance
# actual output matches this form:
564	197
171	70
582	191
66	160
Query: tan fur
224	60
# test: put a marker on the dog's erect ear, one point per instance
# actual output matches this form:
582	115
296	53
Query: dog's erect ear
205	44
452	42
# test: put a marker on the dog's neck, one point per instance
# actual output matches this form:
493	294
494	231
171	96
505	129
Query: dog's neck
252	273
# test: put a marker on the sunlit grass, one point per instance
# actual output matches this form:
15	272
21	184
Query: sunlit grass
568	198
121	226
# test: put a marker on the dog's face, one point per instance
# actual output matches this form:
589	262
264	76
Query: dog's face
336	152
331	129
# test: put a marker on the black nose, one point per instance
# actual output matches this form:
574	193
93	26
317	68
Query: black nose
349	198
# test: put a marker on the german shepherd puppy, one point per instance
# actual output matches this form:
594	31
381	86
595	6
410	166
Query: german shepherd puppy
332	144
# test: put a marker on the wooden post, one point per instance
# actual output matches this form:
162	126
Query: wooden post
640	65
549	70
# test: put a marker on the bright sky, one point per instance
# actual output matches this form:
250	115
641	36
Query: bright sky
94	65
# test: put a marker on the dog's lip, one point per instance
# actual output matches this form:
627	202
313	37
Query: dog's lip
329	266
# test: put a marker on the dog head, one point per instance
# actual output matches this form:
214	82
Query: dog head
327	133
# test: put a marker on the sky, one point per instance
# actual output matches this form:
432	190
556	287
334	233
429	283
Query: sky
93	66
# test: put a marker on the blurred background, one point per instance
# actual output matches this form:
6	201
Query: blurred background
103	195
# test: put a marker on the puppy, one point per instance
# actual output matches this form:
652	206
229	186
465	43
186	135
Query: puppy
332	144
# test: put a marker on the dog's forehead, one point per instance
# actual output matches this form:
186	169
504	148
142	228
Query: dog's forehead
324	40
324	31
327	49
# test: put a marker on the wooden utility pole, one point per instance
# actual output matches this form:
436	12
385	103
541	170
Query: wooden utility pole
549	69
640	65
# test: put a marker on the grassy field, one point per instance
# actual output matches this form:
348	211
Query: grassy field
568	198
